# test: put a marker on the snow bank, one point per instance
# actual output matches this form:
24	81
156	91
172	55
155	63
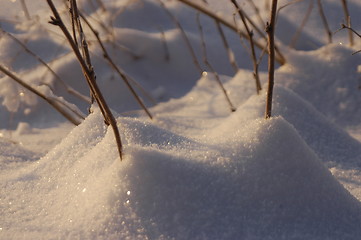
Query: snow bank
197	171
261	182
328	79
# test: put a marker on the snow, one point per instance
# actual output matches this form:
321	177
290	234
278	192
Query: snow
197	170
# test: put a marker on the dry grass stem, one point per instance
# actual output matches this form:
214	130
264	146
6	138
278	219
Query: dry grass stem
116	68
251	45
165	45
209	65
90	77
348	20
68	88
25	9
101	5
270	29
287	5
63	108
278	57
300	28
343	26
324	21
184	36
230	53
258	14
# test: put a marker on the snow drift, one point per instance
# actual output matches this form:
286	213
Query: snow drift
196	171
262	181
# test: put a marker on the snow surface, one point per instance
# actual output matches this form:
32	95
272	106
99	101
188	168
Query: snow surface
196	171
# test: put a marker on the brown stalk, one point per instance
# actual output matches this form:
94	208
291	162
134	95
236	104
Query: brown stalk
251	45
343	26
324	21
185	38
101	5
25	9
115	67
348	20
300	28
278	57
68	88
258	14
287	5
56	104
264	50
83	42
270	29
90	77
209	65
111	33
230	53
165	45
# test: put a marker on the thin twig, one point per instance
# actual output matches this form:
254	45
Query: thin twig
101	5
253	24
343	26
230	53
25	9
115	67
251	45
278	57
270	29
90	77
68	88
56	104
324	21
348	20
286	5
300	28
209	65
184	35
258	14
165	45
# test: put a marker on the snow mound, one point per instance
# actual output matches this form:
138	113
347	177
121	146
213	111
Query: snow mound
328	78
169	186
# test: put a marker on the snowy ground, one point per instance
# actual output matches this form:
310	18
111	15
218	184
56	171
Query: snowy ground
196	171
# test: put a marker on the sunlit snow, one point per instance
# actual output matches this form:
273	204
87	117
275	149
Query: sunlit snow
196	170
